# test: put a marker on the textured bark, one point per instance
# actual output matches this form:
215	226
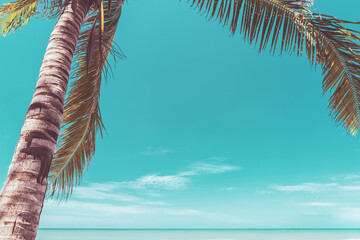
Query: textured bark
23	194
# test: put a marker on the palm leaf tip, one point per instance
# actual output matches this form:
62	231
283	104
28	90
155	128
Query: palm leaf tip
291	26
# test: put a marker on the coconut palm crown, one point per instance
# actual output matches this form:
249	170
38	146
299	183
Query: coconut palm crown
287	25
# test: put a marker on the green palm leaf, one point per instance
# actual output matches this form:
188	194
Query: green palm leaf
82	117
290	24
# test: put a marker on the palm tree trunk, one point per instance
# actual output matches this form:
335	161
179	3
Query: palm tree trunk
23	194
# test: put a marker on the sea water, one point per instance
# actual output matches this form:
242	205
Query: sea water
259	234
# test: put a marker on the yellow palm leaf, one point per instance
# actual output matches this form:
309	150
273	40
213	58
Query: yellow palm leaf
15	15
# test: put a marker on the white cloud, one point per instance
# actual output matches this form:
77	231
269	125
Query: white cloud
103	191
208	168
156	151
181	212
110	204
150	183
108	186
263	192
351	176
83	208
177	181
169	182
315	187
319	204
230	189
349	214
82	214
155	203
306	187
78	208
350	188
114	191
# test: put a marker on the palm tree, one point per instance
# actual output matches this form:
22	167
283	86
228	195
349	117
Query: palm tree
23	193
286	24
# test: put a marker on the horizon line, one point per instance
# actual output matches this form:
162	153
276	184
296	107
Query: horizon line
199	228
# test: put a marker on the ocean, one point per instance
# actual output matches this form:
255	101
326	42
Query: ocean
258	234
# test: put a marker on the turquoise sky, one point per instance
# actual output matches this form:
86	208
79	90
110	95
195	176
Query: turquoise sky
202	131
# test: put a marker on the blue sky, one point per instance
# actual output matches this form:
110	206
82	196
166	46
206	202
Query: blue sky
202	131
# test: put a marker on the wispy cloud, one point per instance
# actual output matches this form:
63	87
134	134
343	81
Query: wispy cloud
177	181
306	187
105	205
151	183
83	207
113	191
169	182
230	189
316	187
75	213
181	212
319	204
263	192
351	176
351	214
156	203
156	151
201	168
83	214
350	188
121	204
103	191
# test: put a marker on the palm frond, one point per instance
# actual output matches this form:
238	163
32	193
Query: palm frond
290	24
50	9
15	15
82	117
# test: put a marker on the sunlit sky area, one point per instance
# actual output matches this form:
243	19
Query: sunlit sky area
202	131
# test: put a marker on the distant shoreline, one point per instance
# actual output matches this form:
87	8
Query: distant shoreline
208	229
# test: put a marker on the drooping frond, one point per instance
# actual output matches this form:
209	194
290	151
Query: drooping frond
15	15
290	24
82	118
